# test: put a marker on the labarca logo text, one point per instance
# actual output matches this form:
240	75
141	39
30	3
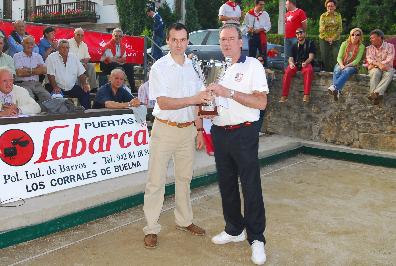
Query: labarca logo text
78	146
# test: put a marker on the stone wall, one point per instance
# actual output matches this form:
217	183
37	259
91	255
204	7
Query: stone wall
352	121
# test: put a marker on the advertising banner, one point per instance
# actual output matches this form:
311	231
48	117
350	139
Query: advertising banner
38	158
134	46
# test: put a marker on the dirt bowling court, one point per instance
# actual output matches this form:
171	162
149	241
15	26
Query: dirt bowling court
319	212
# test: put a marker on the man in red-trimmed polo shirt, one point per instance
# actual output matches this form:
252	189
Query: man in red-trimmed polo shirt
294	18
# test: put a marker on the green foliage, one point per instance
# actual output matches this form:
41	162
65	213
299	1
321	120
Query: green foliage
133	17
208	11
372	14
134	20
167	15
313	26
192	19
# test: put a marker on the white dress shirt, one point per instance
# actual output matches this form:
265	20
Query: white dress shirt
228	11
245	76
169	79
80	51
65	75
263	21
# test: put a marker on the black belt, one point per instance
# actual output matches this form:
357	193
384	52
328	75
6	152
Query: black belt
233	127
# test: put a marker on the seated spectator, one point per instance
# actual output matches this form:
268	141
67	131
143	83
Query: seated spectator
143	95
5	59
349	57
14	100
16	37
48	44
64	71
114	56
379	56
29	66
5	46
80	49
113	95
303	53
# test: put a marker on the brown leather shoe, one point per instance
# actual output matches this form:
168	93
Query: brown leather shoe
283	99
150	241
336	95
193	229
373	96
378	100
306	98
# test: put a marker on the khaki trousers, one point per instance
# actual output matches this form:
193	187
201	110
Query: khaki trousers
91	74
179	144
380	80
35	88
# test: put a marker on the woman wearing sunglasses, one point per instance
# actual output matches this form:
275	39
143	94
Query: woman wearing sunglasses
349	57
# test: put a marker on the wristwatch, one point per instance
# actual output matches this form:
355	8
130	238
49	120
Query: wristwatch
232	92
129	104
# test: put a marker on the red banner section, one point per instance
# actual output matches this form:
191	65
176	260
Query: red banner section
94	40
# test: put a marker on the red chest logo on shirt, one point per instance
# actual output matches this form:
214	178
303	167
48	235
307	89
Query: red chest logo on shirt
238	77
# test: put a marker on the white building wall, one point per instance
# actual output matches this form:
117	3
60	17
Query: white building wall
108	14
17	7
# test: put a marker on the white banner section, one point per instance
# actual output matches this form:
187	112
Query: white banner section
38	158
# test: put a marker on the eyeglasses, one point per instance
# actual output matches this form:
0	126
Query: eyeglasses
357	34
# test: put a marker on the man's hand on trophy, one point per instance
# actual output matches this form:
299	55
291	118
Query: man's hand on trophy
219	90
204	97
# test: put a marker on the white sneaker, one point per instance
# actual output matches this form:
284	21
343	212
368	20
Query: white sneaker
258	252
224	238
331	89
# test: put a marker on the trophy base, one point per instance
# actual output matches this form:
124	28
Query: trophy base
203	110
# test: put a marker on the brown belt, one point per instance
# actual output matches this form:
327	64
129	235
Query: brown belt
175	124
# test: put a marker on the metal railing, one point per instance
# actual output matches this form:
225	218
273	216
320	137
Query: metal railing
84	8
147	56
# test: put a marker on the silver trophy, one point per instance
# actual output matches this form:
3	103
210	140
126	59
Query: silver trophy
210	72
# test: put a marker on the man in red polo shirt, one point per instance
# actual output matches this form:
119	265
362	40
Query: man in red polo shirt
294	18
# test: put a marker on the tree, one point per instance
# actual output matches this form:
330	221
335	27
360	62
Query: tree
192	19
133	17
375	14
167	15
208	11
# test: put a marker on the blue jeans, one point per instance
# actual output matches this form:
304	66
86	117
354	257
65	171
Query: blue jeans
289	42
341	76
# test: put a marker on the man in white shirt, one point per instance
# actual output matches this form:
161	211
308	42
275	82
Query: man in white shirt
14	100
235	139
258	23
230	12
176	88
65	71
80	49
